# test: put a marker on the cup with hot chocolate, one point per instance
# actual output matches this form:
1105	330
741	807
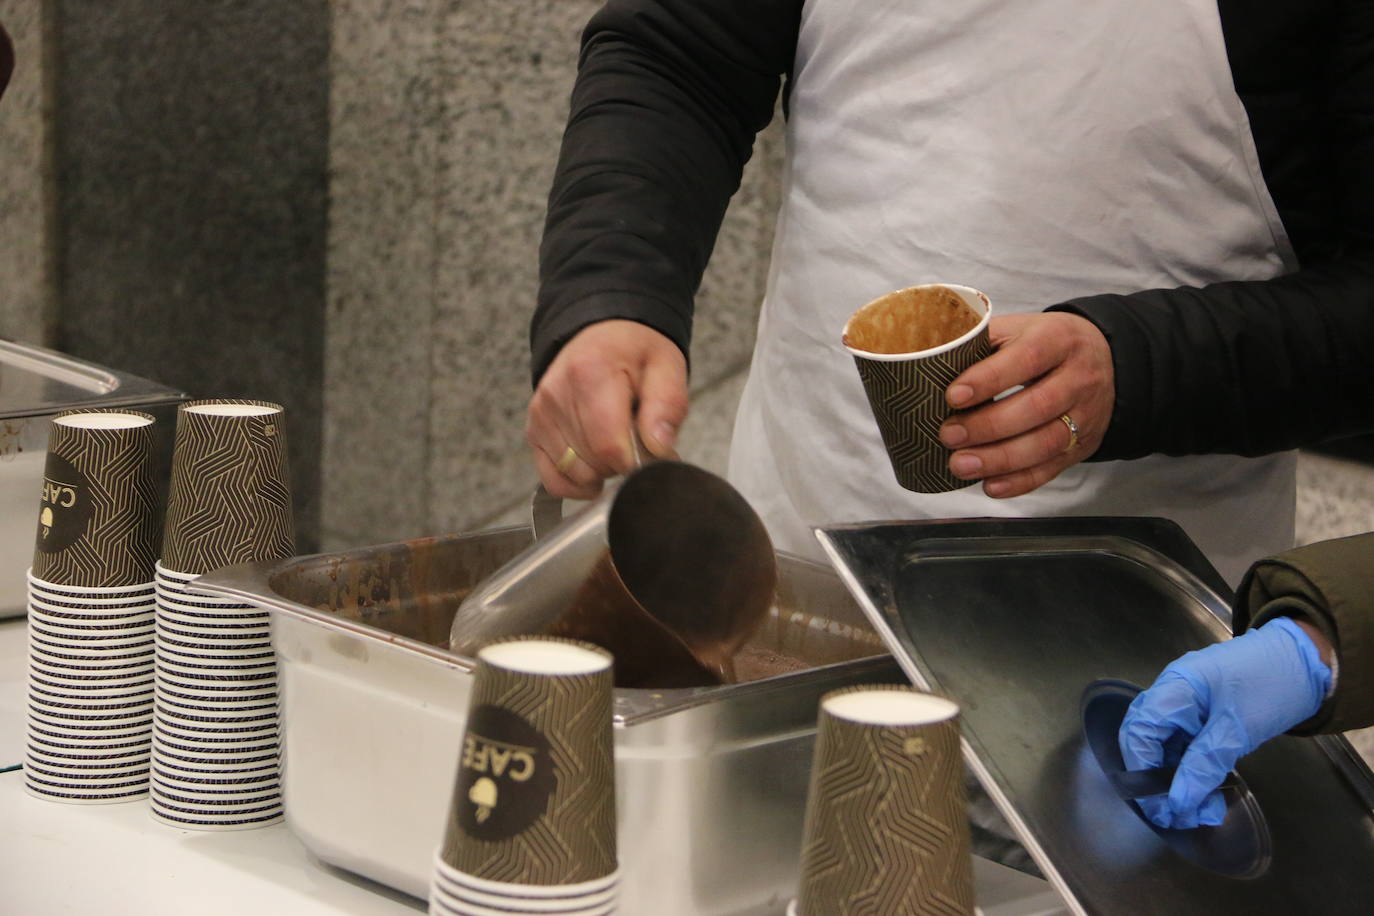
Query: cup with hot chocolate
909	345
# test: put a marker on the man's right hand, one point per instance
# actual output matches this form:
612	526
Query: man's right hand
580	417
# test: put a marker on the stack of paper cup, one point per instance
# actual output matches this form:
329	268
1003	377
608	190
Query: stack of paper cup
215	763
90	620
532	819
886	818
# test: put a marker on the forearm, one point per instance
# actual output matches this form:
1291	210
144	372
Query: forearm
669	96
1244	368
1324	648
1328	589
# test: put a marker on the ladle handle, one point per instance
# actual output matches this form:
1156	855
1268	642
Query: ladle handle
546	510
1131	784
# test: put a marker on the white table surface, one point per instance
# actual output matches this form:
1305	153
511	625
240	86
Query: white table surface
115	859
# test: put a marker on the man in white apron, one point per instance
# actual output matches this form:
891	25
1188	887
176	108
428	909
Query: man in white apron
1089	156
1046	152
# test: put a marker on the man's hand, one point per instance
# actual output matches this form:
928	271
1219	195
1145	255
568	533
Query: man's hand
1019	442
579	423
1211	707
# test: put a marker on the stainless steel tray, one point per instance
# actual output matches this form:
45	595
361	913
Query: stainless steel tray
1014	618
710	782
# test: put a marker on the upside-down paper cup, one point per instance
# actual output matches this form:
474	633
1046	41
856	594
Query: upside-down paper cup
534	802
98	515
230	498
909	345
886	826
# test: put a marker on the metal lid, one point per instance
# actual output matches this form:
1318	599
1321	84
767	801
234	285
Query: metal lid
38	382
1020	620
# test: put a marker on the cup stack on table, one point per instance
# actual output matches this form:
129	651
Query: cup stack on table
90	611
886	815
531	825
215	748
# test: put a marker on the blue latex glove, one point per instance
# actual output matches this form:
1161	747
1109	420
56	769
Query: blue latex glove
1214	706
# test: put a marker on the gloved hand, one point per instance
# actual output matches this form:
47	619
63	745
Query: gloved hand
1220	703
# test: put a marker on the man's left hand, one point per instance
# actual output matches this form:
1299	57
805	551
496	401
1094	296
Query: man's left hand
1023	440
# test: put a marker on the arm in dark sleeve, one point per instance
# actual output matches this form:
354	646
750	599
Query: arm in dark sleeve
668	99
1246	368
1330	585
1256	367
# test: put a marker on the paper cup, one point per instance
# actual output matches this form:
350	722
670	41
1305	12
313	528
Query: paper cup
207	719
90	773
91	625
174	576
112	672
172	818
459	903
534	801
49	790
906	388
530	898
82	688
114	653
888	770
258	732
83	604
79	700
72	749
252	776
189	695
228	683
99	513
224	766
196	604
104	640
230	499
214	627
81	591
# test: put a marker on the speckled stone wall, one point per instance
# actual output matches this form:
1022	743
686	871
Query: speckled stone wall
191	145
26	301
446	123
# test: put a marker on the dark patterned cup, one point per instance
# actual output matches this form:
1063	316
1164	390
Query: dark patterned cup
906	387
230	498
534	801
99	515
886	818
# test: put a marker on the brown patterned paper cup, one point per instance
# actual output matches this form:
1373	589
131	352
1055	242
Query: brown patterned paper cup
534	801
99	513
909	345
230	500
886	818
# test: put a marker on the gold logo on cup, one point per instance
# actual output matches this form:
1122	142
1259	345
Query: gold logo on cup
65	508
483	794
505	775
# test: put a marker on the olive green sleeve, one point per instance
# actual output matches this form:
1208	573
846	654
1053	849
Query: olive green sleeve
1331	585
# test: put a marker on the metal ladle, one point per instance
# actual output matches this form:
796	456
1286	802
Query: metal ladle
669	568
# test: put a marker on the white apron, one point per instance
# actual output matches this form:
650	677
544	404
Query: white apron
1038	150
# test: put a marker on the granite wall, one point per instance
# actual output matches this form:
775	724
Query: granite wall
190	149
446	119
336	205
27	303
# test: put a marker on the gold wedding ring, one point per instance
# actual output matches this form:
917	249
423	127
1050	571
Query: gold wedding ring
567	460
1073	432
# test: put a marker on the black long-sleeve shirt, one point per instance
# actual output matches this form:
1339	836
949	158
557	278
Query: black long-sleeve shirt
669	97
